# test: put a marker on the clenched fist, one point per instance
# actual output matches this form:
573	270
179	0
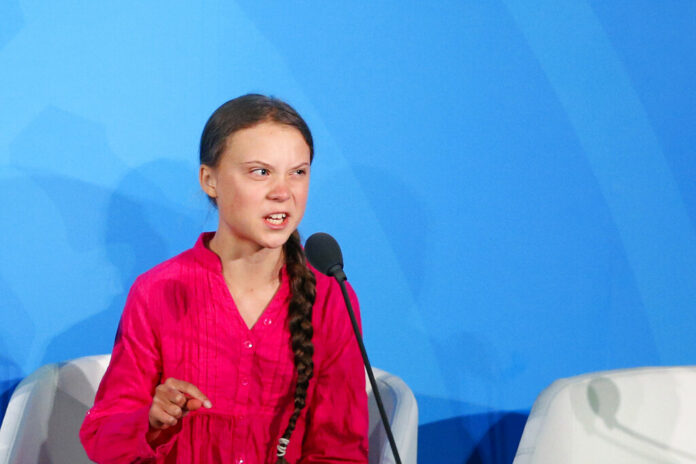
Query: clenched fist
173	400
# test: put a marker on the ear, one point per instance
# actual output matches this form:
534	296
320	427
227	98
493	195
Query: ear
208	179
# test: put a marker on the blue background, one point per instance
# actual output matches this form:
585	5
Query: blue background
512	182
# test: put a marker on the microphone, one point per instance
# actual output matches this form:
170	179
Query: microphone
325	255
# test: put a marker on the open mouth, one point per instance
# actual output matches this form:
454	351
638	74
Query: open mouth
276	218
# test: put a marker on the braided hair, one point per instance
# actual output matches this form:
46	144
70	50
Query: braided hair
241	113
303	289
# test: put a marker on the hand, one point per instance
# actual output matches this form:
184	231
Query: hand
173	400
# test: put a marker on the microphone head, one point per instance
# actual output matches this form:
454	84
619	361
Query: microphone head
324	254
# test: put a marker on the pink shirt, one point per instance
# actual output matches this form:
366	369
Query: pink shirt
180	321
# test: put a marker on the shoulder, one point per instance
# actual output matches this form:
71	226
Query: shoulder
329	305
327	287
165	291
166	271
174	282
324	282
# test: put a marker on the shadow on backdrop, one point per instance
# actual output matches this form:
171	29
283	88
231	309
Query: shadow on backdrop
454	440
117	222
137	234
11	21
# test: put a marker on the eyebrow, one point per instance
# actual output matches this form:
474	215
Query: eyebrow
301	165
255	162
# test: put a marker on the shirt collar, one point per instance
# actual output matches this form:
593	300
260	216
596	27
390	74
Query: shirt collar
204	255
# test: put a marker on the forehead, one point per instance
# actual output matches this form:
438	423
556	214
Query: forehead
269	140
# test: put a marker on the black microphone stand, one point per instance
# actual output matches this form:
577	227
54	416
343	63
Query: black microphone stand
340	276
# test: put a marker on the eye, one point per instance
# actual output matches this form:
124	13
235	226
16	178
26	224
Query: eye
300	172
260	171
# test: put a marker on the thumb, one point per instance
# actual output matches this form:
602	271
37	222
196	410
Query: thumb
192	404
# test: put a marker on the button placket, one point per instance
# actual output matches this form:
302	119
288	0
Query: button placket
244	374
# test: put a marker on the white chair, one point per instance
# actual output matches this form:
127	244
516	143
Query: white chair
47	408
402	412
642	415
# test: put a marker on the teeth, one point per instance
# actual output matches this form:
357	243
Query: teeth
276	218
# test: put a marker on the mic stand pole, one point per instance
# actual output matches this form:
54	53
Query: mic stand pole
340	276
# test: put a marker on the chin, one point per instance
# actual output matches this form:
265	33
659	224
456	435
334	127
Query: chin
273	245
275	242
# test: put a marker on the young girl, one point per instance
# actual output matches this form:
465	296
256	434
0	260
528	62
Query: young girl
236	350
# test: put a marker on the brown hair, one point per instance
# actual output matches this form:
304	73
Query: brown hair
241	113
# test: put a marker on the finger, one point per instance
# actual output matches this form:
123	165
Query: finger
159	418
165	403
171	394
172	409
190	390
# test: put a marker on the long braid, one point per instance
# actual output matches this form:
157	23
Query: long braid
303	289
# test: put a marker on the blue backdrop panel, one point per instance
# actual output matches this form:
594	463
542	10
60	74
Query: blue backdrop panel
512	184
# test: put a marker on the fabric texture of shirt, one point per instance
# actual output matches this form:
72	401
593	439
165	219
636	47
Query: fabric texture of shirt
180	321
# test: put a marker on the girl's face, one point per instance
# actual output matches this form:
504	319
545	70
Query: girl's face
260	185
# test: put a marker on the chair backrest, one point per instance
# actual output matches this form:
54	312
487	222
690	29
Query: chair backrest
47	408
642	415
402	412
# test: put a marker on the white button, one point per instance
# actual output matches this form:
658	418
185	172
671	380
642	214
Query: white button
267	321
248	345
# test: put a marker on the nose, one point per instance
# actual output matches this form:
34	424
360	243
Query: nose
280	191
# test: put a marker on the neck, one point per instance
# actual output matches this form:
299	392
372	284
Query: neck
247	265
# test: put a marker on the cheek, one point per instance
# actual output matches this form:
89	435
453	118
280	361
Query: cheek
237	195
301	195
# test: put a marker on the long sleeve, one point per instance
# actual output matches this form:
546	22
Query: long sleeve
337	420
114	430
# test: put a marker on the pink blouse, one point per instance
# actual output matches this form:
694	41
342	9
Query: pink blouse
181	321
